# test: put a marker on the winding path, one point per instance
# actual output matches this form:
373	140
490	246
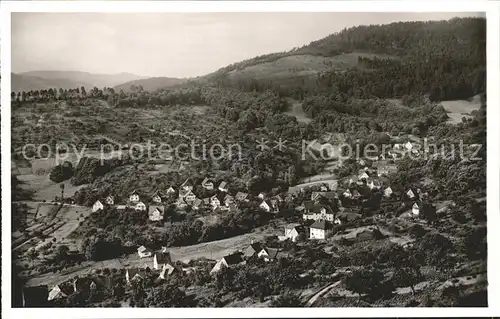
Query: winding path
320	293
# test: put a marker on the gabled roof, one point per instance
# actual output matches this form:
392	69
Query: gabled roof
256	247
271	252
328	195
206	180
132	272
320	224
134	192
197	202
241	195
228	197
167	270
142	249
222	184
187	182
233	258
163	257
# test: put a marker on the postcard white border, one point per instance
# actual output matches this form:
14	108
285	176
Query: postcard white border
493	172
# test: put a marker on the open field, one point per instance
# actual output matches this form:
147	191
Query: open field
300	65
461	108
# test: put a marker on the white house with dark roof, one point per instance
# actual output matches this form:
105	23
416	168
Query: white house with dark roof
134	197
156	198
187	185
223	187
143	252
207	184
155	213
140	206
320	229
97	206
161	259
110	200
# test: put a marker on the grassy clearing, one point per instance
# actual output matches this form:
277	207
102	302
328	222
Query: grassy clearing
296	111
460	108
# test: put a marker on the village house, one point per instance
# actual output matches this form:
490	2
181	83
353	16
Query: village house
347	194
241	197
189	197
364	176
337	221
156	198
60	291
143	252
252	250
133	274
197	204
415	210
167	270
388	192
294	232
331	196
110	200
268	254
207	184
134	197
356	194
228	200
408	145
223	187
155	213
215	201
410	194
180	203
320	229
227	261
316	211
161	259
269	205
97	206
170	191
324	188
373	184
140	206
187	185
261	195
83	284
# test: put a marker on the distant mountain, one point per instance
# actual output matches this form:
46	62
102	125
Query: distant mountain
151	84
37	80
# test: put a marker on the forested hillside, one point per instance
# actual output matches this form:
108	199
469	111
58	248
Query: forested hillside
445	59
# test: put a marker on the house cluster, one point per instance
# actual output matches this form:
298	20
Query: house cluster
219	202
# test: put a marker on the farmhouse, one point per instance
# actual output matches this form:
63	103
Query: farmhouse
294	232
187	185
215	201
97	206
261	195
268	254
223	187
167	270
347	194
269	205
156	198
207	184
320	229
227	261
143	252
110	200
373	184
364	176
241	197
388	192
140	206
170	191
316	211
410	193
415	210
252	250
155	213
228	200
326	195
134	197
161	259
189	197
60	291
133	274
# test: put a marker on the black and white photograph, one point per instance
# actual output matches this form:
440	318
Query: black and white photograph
246	159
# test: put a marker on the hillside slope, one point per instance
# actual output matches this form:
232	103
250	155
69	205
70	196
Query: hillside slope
38	80
150	84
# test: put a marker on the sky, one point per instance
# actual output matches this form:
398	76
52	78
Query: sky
172	44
